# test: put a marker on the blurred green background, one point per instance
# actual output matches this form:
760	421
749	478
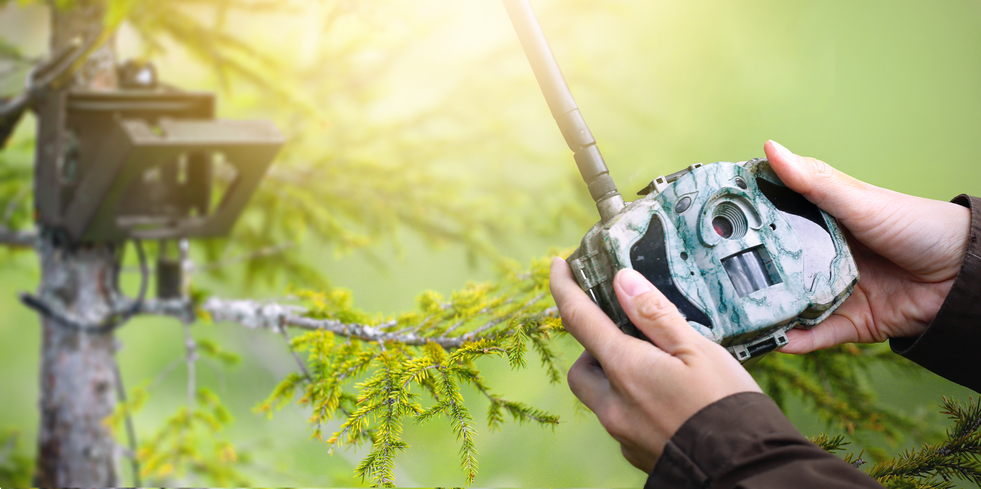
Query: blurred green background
885	91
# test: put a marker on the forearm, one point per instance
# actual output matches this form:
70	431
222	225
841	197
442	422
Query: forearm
744	441
952	340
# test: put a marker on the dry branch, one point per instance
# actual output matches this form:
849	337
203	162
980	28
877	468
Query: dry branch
23	239
254	314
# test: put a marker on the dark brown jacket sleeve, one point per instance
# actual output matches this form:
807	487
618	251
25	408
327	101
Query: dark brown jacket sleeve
744	441
951	344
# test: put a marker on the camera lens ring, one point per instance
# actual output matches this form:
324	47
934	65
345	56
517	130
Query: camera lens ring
729	221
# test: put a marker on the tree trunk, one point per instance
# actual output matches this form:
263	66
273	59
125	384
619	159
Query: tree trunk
78	369
75	448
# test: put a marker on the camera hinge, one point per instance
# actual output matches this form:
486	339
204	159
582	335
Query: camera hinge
587	273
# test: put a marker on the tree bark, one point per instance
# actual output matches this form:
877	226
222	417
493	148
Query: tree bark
75	448
78	369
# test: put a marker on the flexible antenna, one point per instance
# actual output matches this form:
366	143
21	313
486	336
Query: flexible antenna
564	109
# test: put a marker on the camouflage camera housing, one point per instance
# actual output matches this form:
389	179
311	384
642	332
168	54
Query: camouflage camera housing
743	257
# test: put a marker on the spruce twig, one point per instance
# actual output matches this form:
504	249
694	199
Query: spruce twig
956	457
479	321
934	465
831	382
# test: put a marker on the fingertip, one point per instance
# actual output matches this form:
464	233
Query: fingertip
558	272
582	318
775	150
652	313
632	282
557	264
785	164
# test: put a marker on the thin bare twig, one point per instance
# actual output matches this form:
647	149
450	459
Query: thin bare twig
164	373
252	255
299	361
192	356
130	430
25	239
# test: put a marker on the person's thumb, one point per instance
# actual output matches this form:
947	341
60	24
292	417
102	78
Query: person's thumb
652	313
838	194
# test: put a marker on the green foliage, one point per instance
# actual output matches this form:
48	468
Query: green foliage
134	403
832	444
212	350
16	468
189	441
935	465
833	382
348	180
440	343
345	179
177	446
334	181
16	175
8	51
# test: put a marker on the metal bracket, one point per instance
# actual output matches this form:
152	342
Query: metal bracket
142	165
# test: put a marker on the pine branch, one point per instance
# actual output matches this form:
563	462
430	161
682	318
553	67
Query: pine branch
16	468
832	444
395	404
254	314
519	412
957	457
434	349
831	382
461	422
933	466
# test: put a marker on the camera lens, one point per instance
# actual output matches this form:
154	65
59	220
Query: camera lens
722	226
729	221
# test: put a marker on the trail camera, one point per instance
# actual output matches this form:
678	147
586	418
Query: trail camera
145	162
743	257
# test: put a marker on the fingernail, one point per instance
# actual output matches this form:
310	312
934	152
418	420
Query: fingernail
782	151
633	283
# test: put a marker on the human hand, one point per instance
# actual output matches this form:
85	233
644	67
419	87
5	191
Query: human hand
640	392
908	251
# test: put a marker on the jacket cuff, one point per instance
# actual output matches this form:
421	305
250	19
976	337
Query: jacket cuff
745	441
950	342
